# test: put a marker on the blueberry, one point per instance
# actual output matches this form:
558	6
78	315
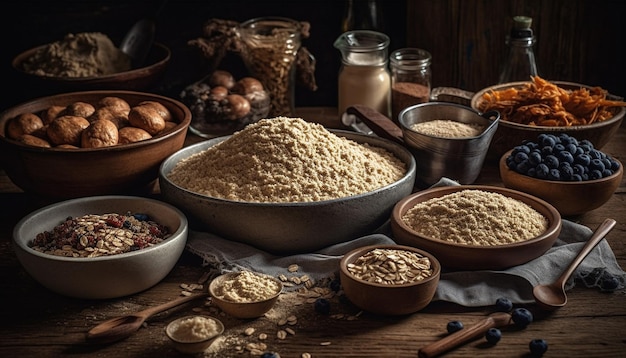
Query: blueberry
454	326
531	172
583	159
504	304
566	171
522	167
511	163
520	157
607	162
607	173
521	317
546	150
493	335
586	142
542	171
538	347
571	148
551	161
335	285
554	174
614	165
597	164
608	282
534	158
322	306
595	154
558	148
595	174
270	355
579	150
579	169
141	217
521	149
576	177
565	156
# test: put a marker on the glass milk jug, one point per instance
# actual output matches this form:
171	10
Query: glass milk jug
364	77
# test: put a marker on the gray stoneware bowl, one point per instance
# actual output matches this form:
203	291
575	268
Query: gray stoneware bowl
286	228
105	276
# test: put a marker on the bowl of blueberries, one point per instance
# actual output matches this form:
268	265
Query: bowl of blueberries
571	174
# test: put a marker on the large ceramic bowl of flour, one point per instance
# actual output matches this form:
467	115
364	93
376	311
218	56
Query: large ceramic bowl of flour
290	226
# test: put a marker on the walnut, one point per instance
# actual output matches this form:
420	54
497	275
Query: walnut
115	104
25	123
148	118
132	134
51	113
79	109
100	133
161	109
66	130
118	118
34	141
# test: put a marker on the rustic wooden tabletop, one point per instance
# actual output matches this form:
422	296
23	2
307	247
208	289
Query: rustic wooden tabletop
37	322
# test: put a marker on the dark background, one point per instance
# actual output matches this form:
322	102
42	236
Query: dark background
577	40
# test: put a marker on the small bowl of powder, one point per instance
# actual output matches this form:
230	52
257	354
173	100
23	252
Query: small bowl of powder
194	334
245	294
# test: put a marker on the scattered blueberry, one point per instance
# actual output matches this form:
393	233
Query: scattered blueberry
608	282
335	285
322	306
503	304
454	326
521	317
270	355
538	347
141	217
493	335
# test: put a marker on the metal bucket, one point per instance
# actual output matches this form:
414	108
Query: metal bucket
460	159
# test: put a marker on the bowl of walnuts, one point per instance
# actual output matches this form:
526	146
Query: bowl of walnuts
90	143
220	104
571	174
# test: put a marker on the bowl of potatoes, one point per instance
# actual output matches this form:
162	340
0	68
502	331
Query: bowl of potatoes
90	143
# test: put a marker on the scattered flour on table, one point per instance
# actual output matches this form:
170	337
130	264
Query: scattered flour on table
287	160
446	128
476	217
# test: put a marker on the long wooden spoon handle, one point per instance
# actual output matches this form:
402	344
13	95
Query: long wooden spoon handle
465	335
593	241
173	303
380	124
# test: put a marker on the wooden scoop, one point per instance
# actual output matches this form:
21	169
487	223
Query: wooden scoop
121	327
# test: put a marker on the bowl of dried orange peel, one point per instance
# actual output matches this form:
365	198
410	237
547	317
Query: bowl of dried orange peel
529	108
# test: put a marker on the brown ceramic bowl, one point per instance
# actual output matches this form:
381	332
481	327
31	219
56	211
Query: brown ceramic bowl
384	298
568	197
509	132
468	257
136	79
243	310
66	173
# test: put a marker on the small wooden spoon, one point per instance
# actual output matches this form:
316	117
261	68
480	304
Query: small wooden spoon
552	296
121	327
497	319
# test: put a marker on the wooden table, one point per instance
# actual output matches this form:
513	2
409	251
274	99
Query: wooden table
37	322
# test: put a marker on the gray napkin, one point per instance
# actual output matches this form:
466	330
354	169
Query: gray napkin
466	288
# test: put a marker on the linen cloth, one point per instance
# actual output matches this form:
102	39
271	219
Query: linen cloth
466	288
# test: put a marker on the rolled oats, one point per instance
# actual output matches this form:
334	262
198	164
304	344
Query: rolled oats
391	266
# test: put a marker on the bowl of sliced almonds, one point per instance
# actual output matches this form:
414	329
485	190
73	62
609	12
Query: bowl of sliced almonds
389	279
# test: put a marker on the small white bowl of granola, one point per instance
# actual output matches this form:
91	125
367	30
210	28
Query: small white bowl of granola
101	247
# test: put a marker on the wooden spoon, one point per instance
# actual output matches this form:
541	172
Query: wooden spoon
497	319
121	327
552	296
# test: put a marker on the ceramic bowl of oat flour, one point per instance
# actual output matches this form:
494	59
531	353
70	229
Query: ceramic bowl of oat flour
288	186
476	227
101	247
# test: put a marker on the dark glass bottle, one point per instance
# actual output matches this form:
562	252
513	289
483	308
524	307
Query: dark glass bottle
520	63
361	15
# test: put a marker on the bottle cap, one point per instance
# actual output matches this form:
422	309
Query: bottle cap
521	27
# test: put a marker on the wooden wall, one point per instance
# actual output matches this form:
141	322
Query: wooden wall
577	40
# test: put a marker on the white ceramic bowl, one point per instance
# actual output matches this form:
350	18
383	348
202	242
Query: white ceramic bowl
104	276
